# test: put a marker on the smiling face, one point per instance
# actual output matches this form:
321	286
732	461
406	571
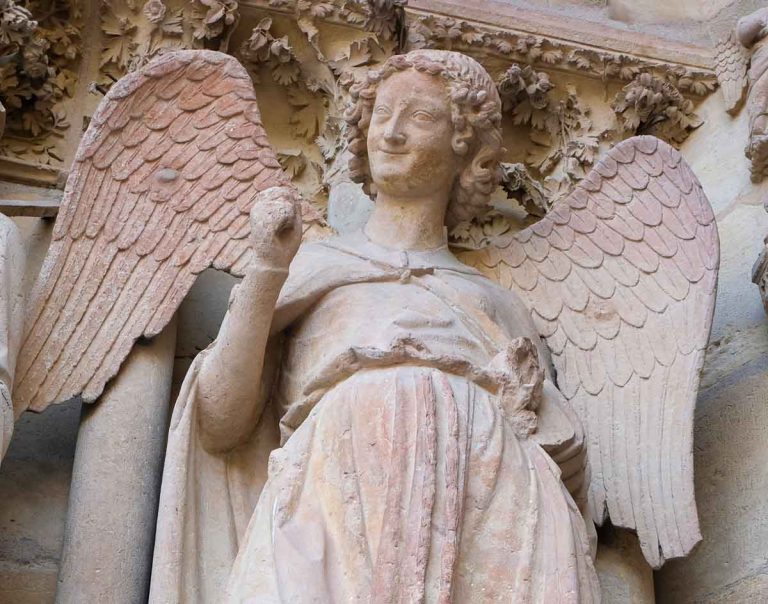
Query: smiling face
410	137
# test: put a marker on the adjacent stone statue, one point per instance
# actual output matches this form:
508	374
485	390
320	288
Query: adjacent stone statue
379	420
12	266
13	259
741	61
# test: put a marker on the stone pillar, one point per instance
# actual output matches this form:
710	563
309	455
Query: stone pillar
625	576
348	207
110	528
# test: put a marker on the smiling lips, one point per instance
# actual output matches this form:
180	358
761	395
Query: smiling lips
389	152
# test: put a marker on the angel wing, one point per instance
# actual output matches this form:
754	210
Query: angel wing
160	189
620	278
731	63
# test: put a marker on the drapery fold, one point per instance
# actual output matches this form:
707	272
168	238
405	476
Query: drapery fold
401	480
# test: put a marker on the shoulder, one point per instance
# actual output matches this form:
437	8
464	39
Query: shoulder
318	268
503	306
487	290
332	256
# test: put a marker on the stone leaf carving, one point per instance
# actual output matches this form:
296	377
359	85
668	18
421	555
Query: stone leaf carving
621	278
564	143
554	124
160	189
650	105
263	47
520	185
134	33
439	31
380	17
40	45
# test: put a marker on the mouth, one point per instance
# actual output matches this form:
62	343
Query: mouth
389	152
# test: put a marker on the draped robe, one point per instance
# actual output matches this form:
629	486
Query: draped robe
398	469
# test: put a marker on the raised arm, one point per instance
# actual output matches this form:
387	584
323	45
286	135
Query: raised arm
230	376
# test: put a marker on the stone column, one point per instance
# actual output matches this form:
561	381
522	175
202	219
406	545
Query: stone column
625	576
348	207
110	528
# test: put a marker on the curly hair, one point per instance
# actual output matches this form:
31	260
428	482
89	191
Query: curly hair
476	117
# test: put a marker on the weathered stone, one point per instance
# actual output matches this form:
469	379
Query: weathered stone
34	482
730	418
348	207
625	577
410	138
303	59
112	509
12	307
147	262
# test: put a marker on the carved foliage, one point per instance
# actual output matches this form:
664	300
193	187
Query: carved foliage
317	86
380	17
564	144
649	105
436	31
39	46
518	184
263	47
134	33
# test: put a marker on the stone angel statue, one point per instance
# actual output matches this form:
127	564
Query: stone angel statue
427	424
379	420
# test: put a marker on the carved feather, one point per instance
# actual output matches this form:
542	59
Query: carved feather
160	189
731	63
637	253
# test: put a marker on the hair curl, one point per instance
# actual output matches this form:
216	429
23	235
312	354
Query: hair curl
476	117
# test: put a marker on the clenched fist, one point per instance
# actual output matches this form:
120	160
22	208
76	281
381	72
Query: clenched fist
276	227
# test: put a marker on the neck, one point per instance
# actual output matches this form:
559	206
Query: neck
407	224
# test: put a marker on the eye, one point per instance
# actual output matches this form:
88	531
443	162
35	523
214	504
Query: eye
423	116
381	110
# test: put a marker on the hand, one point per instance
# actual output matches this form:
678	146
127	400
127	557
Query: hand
276	227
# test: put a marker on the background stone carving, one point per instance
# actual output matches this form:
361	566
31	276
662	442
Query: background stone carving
40	47
303	56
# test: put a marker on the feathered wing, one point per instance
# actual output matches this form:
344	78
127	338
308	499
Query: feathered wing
731	63
161	189
620	278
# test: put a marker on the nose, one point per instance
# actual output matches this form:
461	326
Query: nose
393	133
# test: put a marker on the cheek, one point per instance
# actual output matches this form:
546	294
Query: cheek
437	148
372	134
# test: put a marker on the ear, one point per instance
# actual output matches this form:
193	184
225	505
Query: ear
479	173
461	140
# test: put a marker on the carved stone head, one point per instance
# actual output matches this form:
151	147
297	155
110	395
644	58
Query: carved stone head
457	86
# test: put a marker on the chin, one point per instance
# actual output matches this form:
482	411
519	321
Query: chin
393	181
393	189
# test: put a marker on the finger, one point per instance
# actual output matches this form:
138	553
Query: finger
297	215
285	218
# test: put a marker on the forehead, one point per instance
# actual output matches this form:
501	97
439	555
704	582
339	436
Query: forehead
414	86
